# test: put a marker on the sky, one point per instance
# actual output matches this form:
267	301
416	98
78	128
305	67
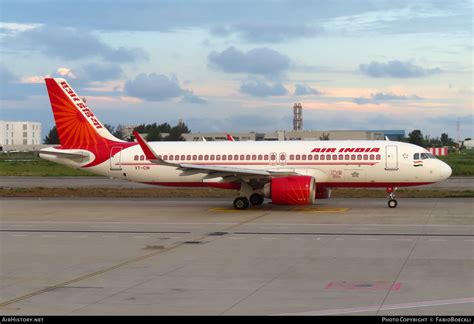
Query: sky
235	66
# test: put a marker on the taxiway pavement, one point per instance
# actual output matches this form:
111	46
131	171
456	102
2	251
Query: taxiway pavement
199	256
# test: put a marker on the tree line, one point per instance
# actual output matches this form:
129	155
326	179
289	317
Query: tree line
153	132
417	138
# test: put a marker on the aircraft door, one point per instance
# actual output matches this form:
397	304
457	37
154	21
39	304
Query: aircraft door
273	159
391	157
282	158
115	158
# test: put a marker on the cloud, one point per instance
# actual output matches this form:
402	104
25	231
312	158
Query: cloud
159	87
153	87
190	97
396	69
262	61
100	72
259	88
380	97
12	88
71	44
303	90
263	31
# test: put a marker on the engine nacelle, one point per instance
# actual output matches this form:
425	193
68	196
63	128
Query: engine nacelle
323	193
292	190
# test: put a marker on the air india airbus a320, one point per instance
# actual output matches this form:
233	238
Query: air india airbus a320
287	172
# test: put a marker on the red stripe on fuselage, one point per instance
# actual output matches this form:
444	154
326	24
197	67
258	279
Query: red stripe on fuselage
232	185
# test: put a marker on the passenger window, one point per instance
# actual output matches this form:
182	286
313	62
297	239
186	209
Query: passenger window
316	157
218	157
242	157
200	157
135	157
310	157
171	158
206	157
334	157
359	156
265	157
254	157
236	157
371	156
183	157
188	157
416	156
353	157
165	157
322	156
194	157
260	157
247	157
378	157
142	157
328	156
212	157
297	156
303	157
347	157
366	157
341	157
176	157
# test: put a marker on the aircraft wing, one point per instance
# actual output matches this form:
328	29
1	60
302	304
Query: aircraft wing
227	173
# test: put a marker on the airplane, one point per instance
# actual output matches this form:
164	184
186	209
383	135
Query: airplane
287	172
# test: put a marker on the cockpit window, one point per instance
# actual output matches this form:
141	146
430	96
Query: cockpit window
423	156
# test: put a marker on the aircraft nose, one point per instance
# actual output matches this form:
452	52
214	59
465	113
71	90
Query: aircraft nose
445	171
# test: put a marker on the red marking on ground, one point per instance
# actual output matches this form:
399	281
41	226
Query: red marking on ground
364	286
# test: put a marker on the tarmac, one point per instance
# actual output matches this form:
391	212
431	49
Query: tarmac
199	256
453	183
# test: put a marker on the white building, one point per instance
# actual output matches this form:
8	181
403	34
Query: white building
19	134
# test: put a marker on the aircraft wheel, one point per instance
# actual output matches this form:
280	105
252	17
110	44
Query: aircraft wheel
256	199
241	203
392	203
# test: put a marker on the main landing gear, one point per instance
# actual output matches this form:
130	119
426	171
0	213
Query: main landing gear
244	202
392	202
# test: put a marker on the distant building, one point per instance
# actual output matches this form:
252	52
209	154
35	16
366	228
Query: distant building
392	134
289	136
469	144
19	135
126	130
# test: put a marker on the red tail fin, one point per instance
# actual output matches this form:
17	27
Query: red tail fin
78	127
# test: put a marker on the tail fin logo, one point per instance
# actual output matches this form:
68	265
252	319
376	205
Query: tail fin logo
81	105
78	127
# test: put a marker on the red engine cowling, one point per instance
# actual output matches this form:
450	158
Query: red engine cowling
292	190
323	193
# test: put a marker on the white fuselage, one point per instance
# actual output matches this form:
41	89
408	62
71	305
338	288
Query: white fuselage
331	163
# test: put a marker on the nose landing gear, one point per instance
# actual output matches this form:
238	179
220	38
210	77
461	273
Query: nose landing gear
392	202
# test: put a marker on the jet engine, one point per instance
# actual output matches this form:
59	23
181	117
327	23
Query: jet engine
292	190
